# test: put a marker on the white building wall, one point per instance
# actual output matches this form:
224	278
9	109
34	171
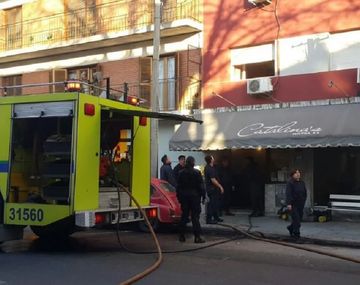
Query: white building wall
319	53
90	57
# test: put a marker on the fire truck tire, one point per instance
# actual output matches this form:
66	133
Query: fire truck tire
58	230
155	223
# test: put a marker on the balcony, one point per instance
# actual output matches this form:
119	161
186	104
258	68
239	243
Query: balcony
175	94
116	23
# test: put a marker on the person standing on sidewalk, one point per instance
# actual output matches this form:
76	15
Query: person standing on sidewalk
190	190
295	199
180	166
166	172
214	191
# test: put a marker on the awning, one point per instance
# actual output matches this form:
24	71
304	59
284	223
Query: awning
296	127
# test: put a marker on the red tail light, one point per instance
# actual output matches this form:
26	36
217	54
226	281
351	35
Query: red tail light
100	218
151	213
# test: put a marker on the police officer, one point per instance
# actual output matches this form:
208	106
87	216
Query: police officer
295	199
190	190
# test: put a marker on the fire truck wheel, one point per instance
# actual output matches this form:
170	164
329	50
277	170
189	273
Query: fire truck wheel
58	230
144	227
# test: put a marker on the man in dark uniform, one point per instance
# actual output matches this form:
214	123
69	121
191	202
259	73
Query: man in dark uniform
190	190
180	166
166	172
214	191
295	199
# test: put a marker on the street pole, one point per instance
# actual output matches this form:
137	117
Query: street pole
155	88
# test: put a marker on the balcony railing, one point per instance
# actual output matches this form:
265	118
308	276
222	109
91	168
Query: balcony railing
168	97
180	93
94	20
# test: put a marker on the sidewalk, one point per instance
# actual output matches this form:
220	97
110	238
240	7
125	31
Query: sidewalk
337	232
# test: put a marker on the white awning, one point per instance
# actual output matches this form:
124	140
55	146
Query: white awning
296	127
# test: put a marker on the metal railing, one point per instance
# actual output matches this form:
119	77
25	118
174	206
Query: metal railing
169	98
179	93
116	16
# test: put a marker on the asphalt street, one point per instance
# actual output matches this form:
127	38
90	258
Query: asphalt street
97	258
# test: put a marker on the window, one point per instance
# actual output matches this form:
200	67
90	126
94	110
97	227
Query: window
167	79
10	81
13	18
252	62
84	74
167	94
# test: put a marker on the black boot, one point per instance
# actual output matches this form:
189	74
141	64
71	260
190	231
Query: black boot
198	239
182	238
291	232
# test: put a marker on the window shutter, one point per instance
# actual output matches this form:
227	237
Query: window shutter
57	75
145	79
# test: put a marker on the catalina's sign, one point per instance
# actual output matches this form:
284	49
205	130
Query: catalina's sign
292	128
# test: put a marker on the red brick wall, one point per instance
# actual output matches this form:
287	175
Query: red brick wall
36	77
121	71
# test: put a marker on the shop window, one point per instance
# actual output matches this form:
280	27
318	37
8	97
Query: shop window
10	82
252	62
13	28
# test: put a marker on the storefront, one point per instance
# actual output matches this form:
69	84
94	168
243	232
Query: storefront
322	140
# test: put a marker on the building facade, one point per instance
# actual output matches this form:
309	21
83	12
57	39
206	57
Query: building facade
262	55
96	41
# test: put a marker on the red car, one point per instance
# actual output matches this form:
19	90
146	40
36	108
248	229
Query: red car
163	195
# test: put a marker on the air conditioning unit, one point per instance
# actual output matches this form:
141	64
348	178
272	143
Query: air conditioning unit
259	2
259	85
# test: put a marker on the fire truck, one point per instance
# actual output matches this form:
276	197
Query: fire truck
68	161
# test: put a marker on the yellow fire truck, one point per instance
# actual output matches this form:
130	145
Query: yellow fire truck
62	157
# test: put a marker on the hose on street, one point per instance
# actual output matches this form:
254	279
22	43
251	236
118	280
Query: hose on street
159	259
248	234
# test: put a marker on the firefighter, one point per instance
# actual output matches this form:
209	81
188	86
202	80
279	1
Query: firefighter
190	190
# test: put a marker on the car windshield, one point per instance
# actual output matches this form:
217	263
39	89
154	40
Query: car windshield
167	187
